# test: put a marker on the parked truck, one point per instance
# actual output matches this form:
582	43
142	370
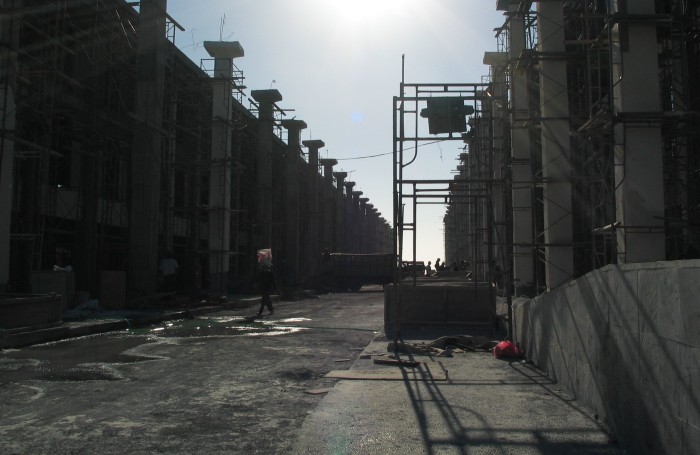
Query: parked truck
351	271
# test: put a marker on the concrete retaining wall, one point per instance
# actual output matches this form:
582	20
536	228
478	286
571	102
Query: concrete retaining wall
625	340
436	303
18	311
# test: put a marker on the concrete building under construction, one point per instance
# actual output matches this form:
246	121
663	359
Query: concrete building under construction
115	149
578	192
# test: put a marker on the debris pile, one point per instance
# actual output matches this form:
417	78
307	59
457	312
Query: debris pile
444	346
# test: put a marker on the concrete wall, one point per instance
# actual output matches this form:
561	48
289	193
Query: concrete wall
625	340
438	303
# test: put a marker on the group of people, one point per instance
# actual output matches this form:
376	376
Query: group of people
441	266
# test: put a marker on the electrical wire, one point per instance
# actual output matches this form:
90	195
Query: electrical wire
389	153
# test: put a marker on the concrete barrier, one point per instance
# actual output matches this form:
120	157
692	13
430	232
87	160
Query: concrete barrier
431	303
30	311
50	282
625	340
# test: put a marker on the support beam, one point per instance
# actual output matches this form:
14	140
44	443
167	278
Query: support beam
263	216
639	194
521	161
220	166
9	37
146	156
292	229
329	206
340	226
556	147
312	241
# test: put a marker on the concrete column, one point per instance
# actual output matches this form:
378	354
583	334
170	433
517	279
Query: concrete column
460	228
292	198
313	240
482	222
355	221
9	37
639	195
498	61
373	230
363	231
146	154
556	147
263	215
388	237
220	169
340	211
348	217
329	205
369	223
521	161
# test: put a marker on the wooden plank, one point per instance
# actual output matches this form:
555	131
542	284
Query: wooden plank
317	391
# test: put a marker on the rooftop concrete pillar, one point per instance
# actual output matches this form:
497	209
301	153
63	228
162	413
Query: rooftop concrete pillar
340	179
639	188
328	164
146	154
314	238
340	211
314	146
9	37
329	206
521	161
220	169
292	229
556	147
266	100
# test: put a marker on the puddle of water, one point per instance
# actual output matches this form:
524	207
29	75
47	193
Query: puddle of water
291	320
226	326
92	358
81	373
78	359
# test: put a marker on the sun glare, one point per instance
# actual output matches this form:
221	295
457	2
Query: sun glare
363	13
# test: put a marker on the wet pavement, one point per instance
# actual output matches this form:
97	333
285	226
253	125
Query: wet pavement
208	384
217	384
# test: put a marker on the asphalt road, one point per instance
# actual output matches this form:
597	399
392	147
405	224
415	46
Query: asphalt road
209	385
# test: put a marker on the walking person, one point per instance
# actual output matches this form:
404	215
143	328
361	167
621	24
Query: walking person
266	283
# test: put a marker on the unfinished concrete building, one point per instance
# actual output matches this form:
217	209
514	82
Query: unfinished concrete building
116	148
585	141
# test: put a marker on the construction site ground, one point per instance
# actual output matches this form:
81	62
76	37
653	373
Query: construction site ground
314	378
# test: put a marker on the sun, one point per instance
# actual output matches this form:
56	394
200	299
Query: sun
365	13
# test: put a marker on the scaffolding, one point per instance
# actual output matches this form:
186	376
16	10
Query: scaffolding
468	197
76	78
594	35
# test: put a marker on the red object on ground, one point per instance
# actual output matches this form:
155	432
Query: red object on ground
507	349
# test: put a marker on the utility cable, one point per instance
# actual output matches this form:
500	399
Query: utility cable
389	153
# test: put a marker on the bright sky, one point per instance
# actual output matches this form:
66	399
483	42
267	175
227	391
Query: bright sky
337	64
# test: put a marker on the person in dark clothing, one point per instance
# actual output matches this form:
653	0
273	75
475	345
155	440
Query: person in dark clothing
266	283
